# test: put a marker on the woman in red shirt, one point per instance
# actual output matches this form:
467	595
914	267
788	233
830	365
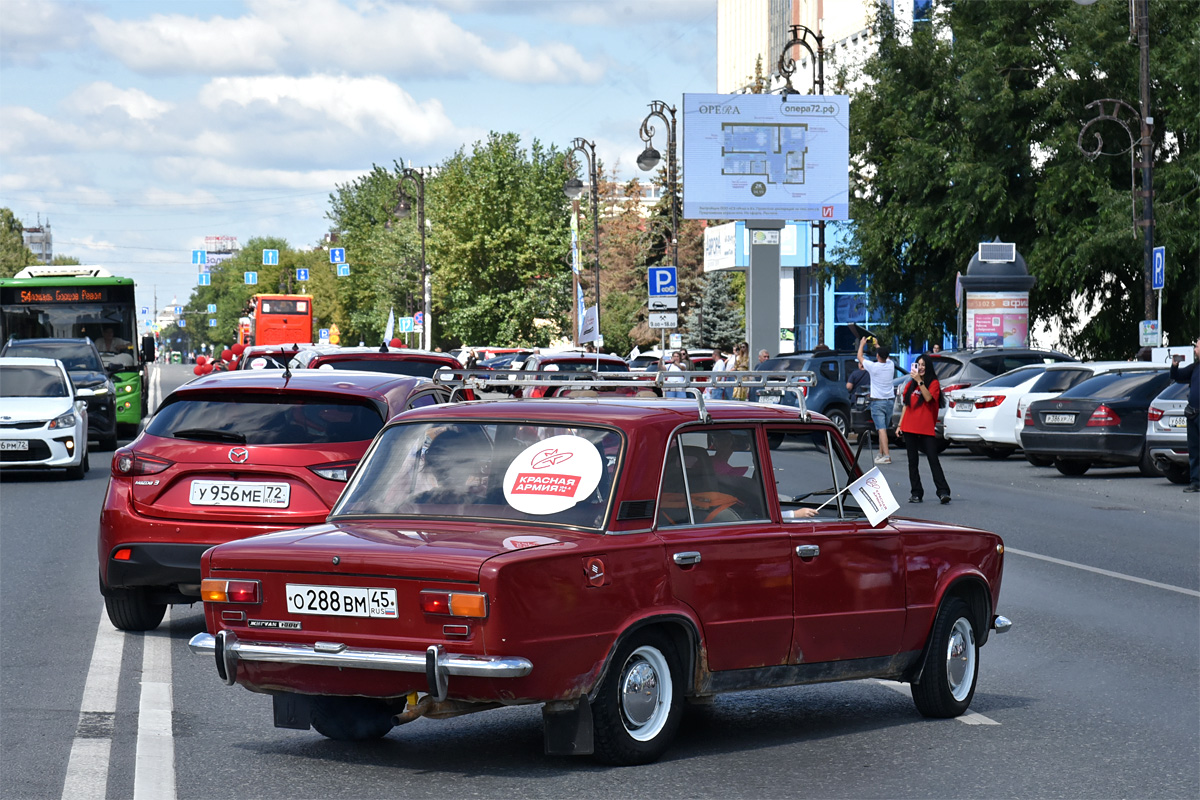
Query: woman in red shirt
917	427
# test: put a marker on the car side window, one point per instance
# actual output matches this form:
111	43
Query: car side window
808	473
829	370
712	477
423	399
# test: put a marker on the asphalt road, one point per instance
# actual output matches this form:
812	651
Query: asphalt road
1094	693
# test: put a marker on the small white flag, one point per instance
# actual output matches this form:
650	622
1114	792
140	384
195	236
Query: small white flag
874	496
391	326
587	329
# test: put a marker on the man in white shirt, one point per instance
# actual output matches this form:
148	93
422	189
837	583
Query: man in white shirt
713	391
881	371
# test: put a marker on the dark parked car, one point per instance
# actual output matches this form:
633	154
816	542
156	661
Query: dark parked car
829	396
92	383
1099	423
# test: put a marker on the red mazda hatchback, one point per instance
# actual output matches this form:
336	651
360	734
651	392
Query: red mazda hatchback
228	456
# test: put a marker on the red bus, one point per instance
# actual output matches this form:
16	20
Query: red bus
277	319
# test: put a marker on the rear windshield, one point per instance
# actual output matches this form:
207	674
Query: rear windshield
267	419
283	306
1010	379
489	471
392	366
75	357
1176	391
1059	380
33	382
1119	385
583	366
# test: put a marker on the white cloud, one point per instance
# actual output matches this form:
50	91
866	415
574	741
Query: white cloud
296	35
96	98
34	28
25	131
201	171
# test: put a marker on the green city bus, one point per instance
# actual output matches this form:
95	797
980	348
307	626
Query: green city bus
82	302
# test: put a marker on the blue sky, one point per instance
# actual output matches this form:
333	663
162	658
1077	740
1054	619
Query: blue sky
138	128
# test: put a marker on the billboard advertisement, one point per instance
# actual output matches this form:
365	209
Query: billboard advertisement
766	156
997	319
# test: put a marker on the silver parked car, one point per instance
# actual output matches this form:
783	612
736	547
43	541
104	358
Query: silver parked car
1166	432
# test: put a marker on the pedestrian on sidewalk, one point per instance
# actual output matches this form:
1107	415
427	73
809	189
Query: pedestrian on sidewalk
1191	375
918	428
881	372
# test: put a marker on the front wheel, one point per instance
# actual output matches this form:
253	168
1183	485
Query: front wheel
951	664
351	719
637	712
1068	466
839	418
131	609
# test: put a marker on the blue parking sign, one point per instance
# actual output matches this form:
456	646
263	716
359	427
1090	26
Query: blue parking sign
337	255
251	278
343	270
663	282
301	274
1158	270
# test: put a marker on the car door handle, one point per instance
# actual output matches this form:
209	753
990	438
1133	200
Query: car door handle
808	550
686	559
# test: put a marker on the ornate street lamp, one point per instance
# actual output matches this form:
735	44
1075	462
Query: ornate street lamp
1141	148
403	209
574	187
649	159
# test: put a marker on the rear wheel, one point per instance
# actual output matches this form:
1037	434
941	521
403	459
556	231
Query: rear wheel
839	418
951	663
1176	473
1147	466
131	609
999	453
1039	461
942	444
1070	466
351	719
637	712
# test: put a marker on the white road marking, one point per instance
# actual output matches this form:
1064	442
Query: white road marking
155	396
154	767
967	718
1108	573
87	768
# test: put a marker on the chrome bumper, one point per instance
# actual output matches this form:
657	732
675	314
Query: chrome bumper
1000	624
434	661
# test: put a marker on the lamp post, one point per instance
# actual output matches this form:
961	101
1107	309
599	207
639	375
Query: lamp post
649	159
573	188
1141	148
801	36
403	209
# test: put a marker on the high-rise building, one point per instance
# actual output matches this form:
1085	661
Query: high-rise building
40	242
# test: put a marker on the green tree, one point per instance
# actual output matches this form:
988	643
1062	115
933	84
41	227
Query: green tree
963	138
500	243
65	261
724	319
14	255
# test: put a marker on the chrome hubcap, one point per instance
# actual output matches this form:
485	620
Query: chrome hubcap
960	659
645	693
639	693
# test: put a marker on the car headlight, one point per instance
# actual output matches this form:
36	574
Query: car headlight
67	420
128	388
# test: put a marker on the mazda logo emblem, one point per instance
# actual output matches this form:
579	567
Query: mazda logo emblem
238	455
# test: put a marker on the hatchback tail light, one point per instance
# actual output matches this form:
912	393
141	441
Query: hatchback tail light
338	471
1154	414
213	590
989	401
129	462
1029	417
1103	417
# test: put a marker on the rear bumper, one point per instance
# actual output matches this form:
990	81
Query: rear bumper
437	664
1176	454
1109	448
157	564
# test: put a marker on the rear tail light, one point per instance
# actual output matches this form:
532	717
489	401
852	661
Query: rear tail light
455	604
1103	417
1154	414
128	462
989	401
213	590
1029	417
339	471
954	386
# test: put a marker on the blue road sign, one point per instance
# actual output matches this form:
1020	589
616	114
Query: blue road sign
343	270
212	323
183	323
404	324
251	278
419	318
270	258
200	258
663	282
212	308
1159	269
301	274
323	335
204	279
145	311
337	255
178	310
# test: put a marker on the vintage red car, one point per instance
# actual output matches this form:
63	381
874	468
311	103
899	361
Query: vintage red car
608	558
230	455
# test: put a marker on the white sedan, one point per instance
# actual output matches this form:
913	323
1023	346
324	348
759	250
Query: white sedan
984	416
42	424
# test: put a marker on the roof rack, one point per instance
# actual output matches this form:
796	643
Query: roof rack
692	382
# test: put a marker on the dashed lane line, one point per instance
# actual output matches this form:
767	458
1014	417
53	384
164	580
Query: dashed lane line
87	767
154	767
1105	572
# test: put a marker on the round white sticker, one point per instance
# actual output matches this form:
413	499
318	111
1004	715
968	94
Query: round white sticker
553	475
258	363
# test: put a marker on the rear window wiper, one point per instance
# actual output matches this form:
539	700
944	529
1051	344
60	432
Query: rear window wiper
205	434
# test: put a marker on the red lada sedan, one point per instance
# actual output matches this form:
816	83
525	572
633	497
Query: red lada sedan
605	558
232	455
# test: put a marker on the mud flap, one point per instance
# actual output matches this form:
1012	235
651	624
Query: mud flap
292	711
567	728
